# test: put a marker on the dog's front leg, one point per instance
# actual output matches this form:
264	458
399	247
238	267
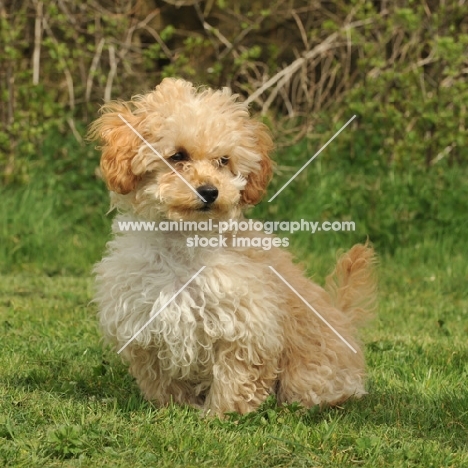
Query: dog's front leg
155	384
243	377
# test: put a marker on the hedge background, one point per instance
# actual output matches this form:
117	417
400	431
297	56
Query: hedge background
401	66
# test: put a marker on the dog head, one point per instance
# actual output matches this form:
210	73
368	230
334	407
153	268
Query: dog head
182	153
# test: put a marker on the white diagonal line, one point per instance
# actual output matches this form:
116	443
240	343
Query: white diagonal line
160	310
313	310
312	158
157	153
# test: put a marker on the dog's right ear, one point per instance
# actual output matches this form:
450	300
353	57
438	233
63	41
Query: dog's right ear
119	145
257	181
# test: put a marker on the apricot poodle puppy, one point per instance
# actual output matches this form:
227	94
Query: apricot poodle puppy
237	332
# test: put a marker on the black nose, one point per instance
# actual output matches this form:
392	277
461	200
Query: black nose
208	192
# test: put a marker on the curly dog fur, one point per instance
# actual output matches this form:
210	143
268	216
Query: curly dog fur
236	333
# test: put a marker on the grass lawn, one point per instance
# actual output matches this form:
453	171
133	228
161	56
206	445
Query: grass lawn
66	401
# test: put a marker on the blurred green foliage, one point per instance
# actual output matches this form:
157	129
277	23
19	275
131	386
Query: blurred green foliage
57	224
398	170
400	66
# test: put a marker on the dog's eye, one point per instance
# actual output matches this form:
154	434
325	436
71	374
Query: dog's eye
179	156
224	160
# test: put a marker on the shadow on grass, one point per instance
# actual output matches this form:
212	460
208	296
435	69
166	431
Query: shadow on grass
93	380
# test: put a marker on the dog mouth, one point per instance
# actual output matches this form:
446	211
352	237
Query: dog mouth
191	212
206	207
216	211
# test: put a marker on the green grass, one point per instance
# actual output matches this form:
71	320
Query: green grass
66	401
53	234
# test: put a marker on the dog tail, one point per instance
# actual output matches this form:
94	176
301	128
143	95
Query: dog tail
352	285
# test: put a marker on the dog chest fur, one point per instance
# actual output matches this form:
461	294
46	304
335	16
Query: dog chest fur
225	303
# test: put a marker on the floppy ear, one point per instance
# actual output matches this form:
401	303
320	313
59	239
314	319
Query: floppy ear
257	181
120	145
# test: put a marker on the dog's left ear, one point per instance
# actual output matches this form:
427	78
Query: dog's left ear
258	180
120	145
